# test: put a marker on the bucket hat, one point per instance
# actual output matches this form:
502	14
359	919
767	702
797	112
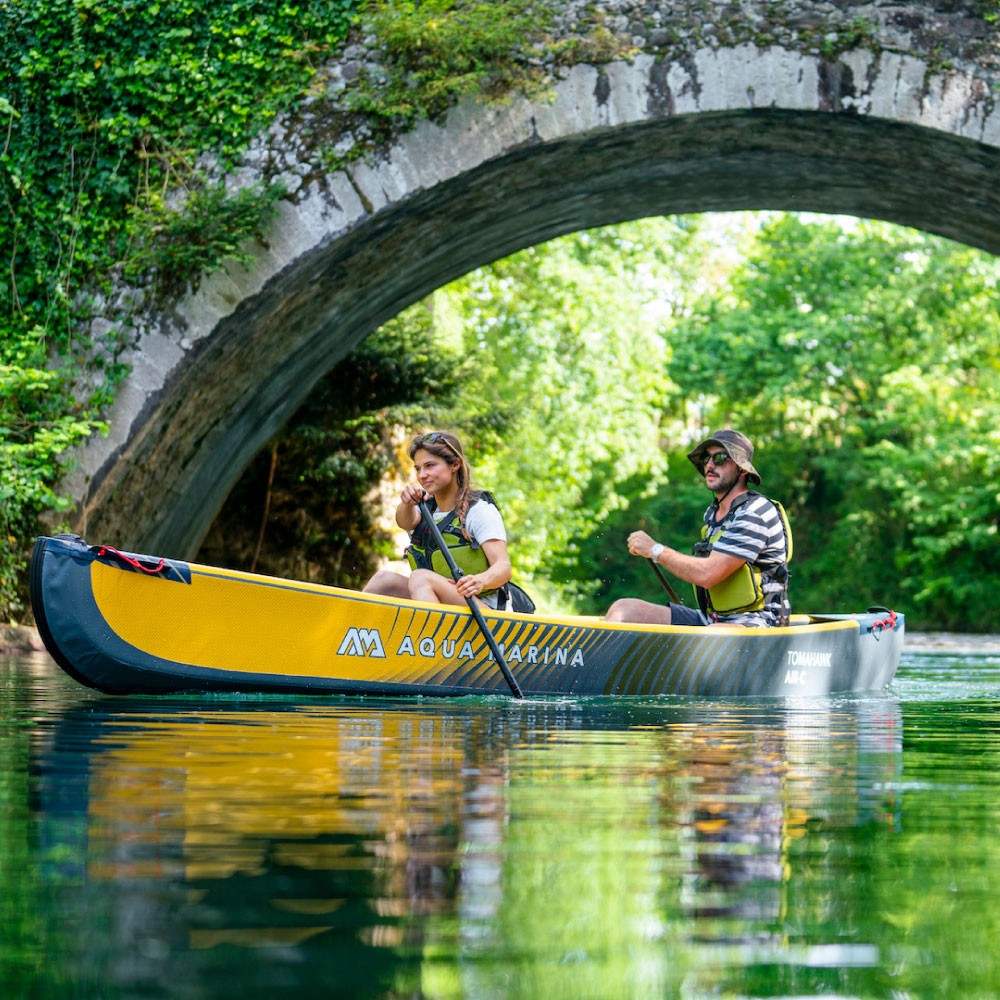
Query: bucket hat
736	445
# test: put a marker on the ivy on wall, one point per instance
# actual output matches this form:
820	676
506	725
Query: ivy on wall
109	114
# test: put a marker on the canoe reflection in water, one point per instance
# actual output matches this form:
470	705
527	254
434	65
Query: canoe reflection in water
374	845
261	828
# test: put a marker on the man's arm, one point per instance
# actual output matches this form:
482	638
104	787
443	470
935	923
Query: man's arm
704	572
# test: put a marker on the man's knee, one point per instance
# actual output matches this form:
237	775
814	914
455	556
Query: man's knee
626	609
631	609
616	613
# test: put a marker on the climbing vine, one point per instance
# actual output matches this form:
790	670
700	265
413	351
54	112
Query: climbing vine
113	115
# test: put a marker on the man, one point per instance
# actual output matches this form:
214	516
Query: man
740	565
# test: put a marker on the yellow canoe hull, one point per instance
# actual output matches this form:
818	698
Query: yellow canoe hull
125	623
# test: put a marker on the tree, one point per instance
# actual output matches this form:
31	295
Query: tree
863	358
567	398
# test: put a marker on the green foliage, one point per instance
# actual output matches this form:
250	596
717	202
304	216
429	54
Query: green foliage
859	33
669	507
568	389
34	432
864	359
104	110
436	51
109	104
174	248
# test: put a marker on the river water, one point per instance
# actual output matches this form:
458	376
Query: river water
485	848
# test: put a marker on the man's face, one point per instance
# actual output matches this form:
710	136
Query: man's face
719	478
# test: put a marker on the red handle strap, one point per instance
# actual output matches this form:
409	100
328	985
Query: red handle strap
884	624
108	550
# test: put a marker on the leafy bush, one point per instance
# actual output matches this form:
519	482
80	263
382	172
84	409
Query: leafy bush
104	111
34	432
174	248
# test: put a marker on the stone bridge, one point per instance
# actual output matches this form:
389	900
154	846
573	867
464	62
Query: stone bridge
879	110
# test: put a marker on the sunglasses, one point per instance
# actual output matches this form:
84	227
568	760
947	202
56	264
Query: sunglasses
436	437
717	459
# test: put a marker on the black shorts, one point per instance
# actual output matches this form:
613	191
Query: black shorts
680	614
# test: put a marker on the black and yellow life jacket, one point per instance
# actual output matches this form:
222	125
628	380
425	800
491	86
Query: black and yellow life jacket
743	591
423	553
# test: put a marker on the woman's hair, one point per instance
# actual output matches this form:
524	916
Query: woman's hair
448	448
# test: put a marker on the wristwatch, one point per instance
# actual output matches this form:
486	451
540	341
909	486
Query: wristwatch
654	552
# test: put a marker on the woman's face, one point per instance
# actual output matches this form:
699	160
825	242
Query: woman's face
434	474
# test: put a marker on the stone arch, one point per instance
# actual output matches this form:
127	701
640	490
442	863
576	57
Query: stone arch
874	135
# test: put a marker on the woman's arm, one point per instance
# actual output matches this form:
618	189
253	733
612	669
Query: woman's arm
407	515
495	575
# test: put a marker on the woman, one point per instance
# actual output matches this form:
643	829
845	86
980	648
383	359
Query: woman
469	521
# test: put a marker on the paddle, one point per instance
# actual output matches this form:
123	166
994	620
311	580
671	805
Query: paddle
666	583
457	575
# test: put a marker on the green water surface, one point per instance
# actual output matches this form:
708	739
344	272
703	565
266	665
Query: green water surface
481	848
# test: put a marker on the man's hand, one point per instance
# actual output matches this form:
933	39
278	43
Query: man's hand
640	544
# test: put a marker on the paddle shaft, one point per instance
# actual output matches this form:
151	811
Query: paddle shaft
666	583
457	575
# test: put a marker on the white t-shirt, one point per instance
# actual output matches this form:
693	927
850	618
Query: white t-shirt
484	523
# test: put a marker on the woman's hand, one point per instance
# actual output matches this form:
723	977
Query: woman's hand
495	575
407	515
472	585
412	495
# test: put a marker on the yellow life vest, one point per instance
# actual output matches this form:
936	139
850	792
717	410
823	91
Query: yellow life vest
423	553
742	591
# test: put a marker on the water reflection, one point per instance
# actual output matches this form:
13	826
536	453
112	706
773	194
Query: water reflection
470	848
758	791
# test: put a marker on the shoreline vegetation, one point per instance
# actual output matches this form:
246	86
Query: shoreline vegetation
15	639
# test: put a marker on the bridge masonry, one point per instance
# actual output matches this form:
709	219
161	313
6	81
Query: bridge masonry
879	110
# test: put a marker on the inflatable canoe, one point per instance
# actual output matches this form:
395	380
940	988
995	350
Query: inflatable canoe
125	623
